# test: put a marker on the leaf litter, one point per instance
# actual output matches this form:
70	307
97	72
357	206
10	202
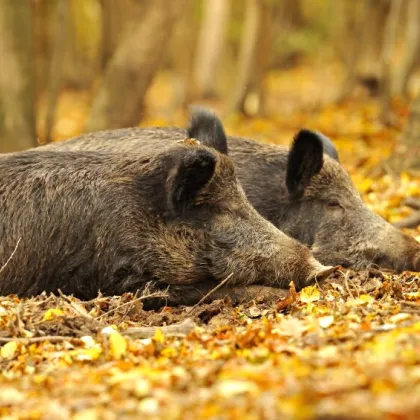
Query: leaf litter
348	348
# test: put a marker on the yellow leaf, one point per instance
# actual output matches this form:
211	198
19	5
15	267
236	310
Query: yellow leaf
8	351
231	387
117	345
86	414
310	294
159	337
361	300
412	296
86	354
326	321
53	313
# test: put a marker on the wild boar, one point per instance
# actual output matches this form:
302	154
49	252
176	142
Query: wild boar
304	191
178	218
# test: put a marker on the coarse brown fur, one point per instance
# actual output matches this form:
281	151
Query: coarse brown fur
86	221
325	211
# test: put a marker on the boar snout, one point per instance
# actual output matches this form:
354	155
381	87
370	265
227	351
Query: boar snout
417	263
400	252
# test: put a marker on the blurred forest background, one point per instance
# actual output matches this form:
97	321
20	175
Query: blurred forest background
346	67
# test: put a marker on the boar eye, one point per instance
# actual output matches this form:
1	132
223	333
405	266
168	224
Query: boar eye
333	204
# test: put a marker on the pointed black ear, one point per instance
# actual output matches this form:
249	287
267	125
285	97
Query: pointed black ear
305	160
194	171
207	128
328	146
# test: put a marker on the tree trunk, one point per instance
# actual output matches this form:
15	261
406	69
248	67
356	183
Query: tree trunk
351	20
390	34
263	56
84	39
17	123
412	46
371	46
407	154
115	18
253	53
184	43
56	67
210	45
290	15
121	95
406	157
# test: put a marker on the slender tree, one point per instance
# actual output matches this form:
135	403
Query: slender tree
210	45
412	47
56	66
119	100
390	34
407	157
183	43
17	119
253	55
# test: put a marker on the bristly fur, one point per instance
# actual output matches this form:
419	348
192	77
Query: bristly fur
207	128
173	217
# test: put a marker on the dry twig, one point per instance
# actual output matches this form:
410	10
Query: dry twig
346	283
24	340
73	306
11	256
222	283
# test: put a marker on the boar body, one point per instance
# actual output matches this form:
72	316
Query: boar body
88	221
302	190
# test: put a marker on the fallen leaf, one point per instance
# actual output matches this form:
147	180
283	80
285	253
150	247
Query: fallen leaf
52	314
8	351
326	321
310	294
117	345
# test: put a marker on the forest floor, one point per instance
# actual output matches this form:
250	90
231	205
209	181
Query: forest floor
345	350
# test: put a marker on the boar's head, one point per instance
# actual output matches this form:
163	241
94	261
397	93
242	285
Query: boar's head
326	212
228	237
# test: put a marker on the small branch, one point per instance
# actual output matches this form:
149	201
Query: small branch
73	306
346	284
11	256
211	291
52	338
181	329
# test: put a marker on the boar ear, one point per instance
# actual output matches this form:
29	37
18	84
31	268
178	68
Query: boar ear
305	160
194	171
328	146
207	128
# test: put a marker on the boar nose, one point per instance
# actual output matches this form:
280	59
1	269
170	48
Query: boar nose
398	251
417	263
